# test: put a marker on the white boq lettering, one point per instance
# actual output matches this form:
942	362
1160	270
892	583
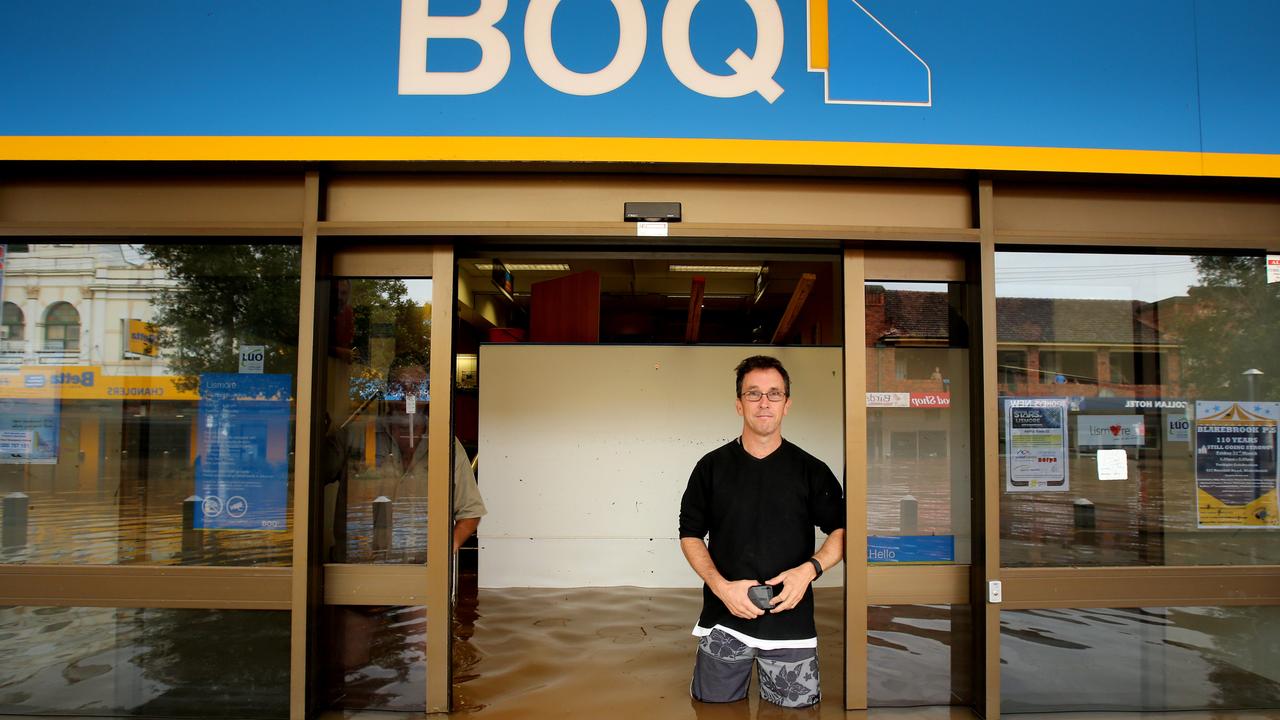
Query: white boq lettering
417	27
751	74
626	60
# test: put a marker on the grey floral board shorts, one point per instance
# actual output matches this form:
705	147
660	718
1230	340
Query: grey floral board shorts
722	672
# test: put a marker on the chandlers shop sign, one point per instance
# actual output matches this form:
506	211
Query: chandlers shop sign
88	382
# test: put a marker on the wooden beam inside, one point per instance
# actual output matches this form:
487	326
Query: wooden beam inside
697	291
798	296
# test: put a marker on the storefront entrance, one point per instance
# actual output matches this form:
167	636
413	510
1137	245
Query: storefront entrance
1042	394
382	468
392	611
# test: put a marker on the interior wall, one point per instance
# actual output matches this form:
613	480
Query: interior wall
585	452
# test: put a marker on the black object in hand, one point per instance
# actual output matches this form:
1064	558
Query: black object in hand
760	595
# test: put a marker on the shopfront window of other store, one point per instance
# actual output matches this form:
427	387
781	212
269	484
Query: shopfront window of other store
151	420
1143	428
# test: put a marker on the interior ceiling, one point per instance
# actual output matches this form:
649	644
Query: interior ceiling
649	276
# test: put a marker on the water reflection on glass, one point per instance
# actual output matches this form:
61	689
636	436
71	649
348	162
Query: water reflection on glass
376	412
1151	659
377	657
1168	368
170	663
101	363
917	423
918	655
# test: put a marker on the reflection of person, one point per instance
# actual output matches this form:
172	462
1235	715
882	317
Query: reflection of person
758	499
399	471
468	506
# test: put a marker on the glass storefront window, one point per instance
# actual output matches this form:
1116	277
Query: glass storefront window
146	406
1139	399
374	467
917	423
80	661
918	655
377	658
1139	659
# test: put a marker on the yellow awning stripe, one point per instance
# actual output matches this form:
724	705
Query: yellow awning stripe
654	150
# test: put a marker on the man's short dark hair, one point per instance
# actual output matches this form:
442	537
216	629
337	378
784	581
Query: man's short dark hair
763	362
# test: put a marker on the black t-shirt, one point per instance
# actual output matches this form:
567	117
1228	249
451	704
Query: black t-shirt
760	514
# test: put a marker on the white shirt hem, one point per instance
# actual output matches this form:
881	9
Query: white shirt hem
757	643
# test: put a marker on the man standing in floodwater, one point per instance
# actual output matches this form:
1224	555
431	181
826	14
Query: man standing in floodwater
757	500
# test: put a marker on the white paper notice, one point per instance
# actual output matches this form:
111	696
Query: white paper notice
410	404
1273	268
651	229
1113	465
251	358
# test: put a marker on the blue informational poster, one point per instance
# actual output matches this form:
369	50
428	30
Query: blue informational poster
911	548
28	431
242	471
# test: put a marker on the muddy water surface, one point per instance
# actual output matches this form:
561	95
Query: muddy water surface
605	652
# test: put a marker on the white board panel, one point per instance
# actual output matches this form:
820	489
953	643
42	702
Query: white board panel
585	451
595	562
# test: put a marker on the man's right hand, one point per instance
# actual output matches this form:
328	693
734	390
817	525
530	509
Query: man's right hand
734	596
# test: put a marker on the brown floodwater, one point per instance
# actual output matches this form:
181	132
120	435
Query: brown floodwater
619	653
606	652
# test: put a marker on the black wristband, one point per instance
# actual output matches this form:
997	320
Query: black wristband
816	566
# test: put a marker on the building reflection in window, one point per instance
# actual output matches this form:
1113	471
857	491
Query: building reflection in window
1130	344
100	405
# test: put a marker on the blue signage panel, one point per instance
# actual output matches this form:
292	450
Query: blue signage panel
242	471
1147	75
911	548
1237	42
28	431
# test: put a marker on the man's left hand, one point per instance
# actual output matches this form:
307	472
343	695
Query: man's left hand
795	582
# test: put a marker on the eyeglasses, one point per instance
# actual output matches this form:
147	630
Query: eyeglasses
755	395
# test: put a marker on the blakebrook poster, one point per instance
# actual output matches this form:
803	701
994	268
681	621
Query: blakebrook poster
1236	483
242	472
1036	442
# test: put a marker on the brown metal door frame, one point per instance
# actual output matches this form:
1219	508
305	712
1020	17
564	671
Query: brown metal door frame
942	584
355	584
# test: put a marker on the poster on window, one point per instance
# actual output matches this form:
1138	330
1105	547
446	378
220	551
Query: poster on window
1236	482
242	471
28	431
1036	442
